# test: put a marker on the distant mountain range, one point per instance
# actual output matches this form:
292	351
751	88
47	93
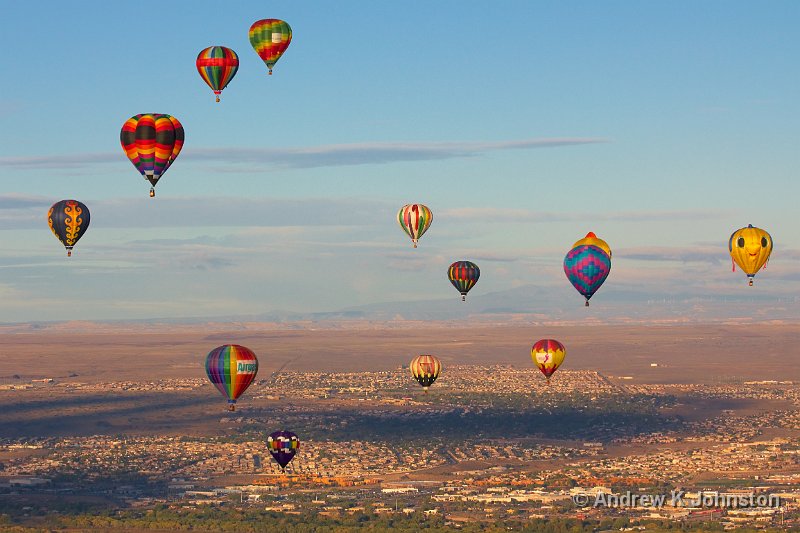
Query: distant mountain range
526	304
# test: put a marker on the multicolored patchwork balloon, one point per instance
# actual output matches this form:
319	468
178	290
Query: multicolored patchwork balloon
152	141
270	39
283	445
425	369
415	219
463	275
68	220
587	267
548	354
750	248
231	368
217	66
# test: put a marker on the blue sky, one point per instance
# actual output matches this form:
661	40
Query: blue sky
660	126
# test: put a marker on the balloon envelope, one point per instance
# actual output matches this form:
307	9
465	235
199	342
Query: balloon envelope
231	368
68	220
750	248
548	354
270	39
283	445
463	275
587	267
593	239
425	369
415	219
217	66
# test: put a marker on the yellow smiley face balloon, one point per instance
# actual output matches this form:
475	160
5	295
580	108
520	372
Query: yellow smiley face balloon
750	248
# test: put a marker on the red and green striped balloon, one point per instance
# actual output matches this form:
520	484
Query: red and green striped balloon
231	368
415	219
217	66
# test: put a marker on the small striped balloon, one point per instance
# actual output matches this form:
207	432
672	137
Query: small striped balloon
217	66
463	275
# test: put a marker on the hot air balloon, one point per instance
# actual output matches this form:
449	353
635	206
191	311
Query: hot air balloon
463	275
270	39
68	220
283	445
587	267
591	238
750	248
415	219
425	369
548	354
152	141
217	66
231	368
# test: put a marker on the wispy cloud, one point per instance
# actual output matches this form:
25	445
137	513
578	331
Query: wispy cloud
28	212
23	201
685	254
504	215
263	159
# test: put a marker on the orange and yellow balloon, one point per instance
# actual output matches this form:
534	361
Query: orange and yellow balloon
548	354
594	240
750	248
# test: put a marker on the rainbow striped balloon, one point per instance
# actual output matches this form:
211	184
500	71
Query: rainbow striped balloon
217	66
152	141
415	219
270	39
463	275
231	368
425	369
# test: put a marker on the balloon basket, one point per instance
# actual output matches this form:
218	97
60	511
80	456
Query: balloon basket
463	297
587	303
69	253
217	98
751	282
231	408
152	192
